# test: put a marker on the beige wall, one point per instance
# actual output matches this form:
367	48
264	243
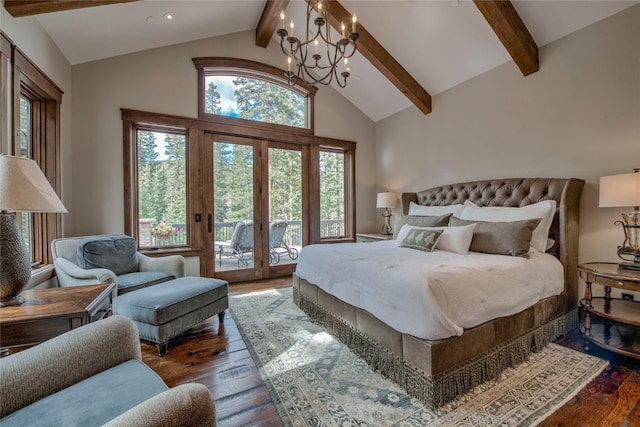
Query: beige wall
579	116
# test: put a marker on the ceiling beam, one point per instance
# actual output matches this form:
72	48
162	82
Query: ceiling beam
269	21
514	35
18	8
367	45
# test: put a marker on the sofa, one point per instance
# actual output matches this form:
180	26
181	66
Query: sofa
111	258
93	376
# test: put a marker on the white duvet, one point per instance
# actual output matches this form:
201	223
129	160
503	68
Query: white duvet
430	295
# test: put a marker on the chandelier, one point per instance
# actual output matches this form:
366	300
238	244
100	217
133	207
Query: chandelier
322	65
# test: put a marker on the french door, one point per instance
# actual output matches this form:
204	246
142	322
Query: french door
256	223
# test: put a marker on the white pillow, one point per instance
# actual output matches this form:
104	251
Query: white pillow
452	239
420	210
544	210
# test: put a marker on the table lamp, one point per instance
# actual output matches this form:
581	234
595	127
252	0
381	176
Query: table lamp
387	201
620	191
23	188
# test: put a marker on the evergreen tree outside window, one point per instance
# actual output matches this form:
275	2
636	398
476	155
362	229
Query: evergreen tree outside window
162	188
254	99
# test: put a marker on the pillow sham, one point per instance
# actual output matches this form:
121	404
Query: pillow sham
421	239
452	239
419	221
420	210
511	238
544	210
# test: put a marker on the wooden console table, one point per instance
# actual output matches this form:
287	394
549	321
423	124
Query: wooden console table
616	322
49	312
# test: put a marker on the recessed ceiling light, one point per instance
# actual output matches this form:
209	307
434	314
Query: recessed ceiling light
168	16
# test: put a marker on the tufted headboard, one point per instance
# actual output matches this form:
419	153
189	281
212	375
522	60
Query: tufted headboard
516	192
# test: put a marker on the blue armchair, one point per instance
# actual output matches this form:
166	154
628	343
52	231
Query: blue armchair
111	258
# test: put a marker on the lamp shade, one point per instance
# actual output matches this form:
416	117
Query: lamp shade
387	200
24	188
620	190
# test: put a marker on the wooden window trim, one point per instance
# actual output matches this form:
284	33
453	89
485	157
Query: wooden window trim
29	79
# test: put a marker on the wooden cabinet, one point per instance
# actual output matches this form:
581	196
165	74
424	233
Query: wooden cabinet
47	313
372	237
611	323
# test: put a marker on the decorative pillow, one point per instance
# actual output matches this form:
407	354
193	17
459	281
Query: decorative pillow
420	210
503	238
421	239
117	253
544	211
452	239
419	221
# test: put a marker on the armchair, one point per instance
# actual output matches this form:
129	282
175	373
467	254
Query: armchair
111	258
94	375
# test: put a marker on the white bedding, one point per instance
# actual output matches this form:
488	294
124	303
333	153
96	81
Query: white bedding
430	295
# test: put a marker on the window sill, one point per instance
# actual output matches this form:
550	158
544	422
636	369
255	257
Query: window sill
40	275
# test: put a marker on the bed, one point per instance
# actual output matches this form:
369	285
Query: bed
439	364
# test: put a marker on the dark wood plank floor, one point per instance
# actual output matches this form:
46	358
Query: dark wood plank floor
215	355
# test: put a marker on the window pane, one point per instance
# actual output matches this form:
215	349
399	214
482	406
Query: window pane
285	205
332	220
233	205
23	150
162	189
254	99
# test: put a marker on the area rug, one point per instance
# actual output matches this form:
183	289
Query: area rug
315	380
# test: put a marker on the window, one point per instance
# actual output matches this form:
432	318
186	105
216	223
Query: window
162	188
254	99
247	158
31	115
242	89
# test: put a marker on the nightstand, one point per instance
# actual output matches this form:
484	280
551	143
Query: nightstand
611	323
372	237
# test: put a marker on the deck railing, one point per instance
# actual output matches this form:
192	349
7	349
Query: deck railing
224	231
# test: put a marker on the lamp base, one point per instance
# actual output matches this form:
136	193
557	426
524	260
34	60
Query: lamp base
8	302
15	266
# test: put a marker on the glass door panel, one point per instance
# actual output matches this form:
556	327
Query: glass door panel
233	196
285	205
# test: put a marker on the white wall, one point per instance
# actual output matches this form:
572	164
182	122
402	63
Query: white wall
35	43
579	116
164	80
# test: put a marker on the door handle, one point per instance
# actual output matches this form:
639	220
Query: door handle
210	222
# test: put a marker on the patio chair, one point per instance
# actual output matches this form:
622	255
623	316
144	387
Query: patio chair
277	230
240	246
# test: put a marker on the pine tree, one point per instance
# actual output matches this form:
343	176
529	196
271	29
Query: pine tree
212	99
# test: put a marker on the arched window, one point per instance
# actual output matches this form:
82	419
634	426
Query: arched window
243	89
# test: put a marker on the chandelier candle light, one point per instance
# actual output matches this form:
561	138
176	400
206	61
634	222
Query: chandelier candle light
387	201
620	191
316	67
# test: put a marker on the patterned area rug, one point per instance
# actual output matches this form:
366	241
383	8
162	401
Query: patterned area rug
315	380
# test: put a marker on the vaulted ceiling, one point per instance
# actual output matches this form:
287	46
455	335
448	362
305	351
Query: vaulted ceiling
408	51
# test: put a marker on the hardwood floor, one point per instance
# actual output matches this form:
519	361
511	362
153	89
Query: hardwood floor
215	355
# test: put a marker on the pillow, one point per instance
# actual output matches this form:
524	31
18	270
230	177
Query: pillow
502	238
421	239
544	210
453	239
419	221
117	253
420	210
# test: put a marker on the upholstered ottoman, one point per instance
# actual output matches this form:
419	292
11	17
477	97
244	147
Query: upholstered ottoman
164	311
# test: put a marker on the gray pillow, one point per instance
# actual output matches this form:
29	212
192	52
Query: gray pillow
422	240
503	238
117	253
419	221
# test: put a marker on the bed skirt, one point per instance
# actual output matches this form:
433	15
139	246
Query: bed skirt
437	390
